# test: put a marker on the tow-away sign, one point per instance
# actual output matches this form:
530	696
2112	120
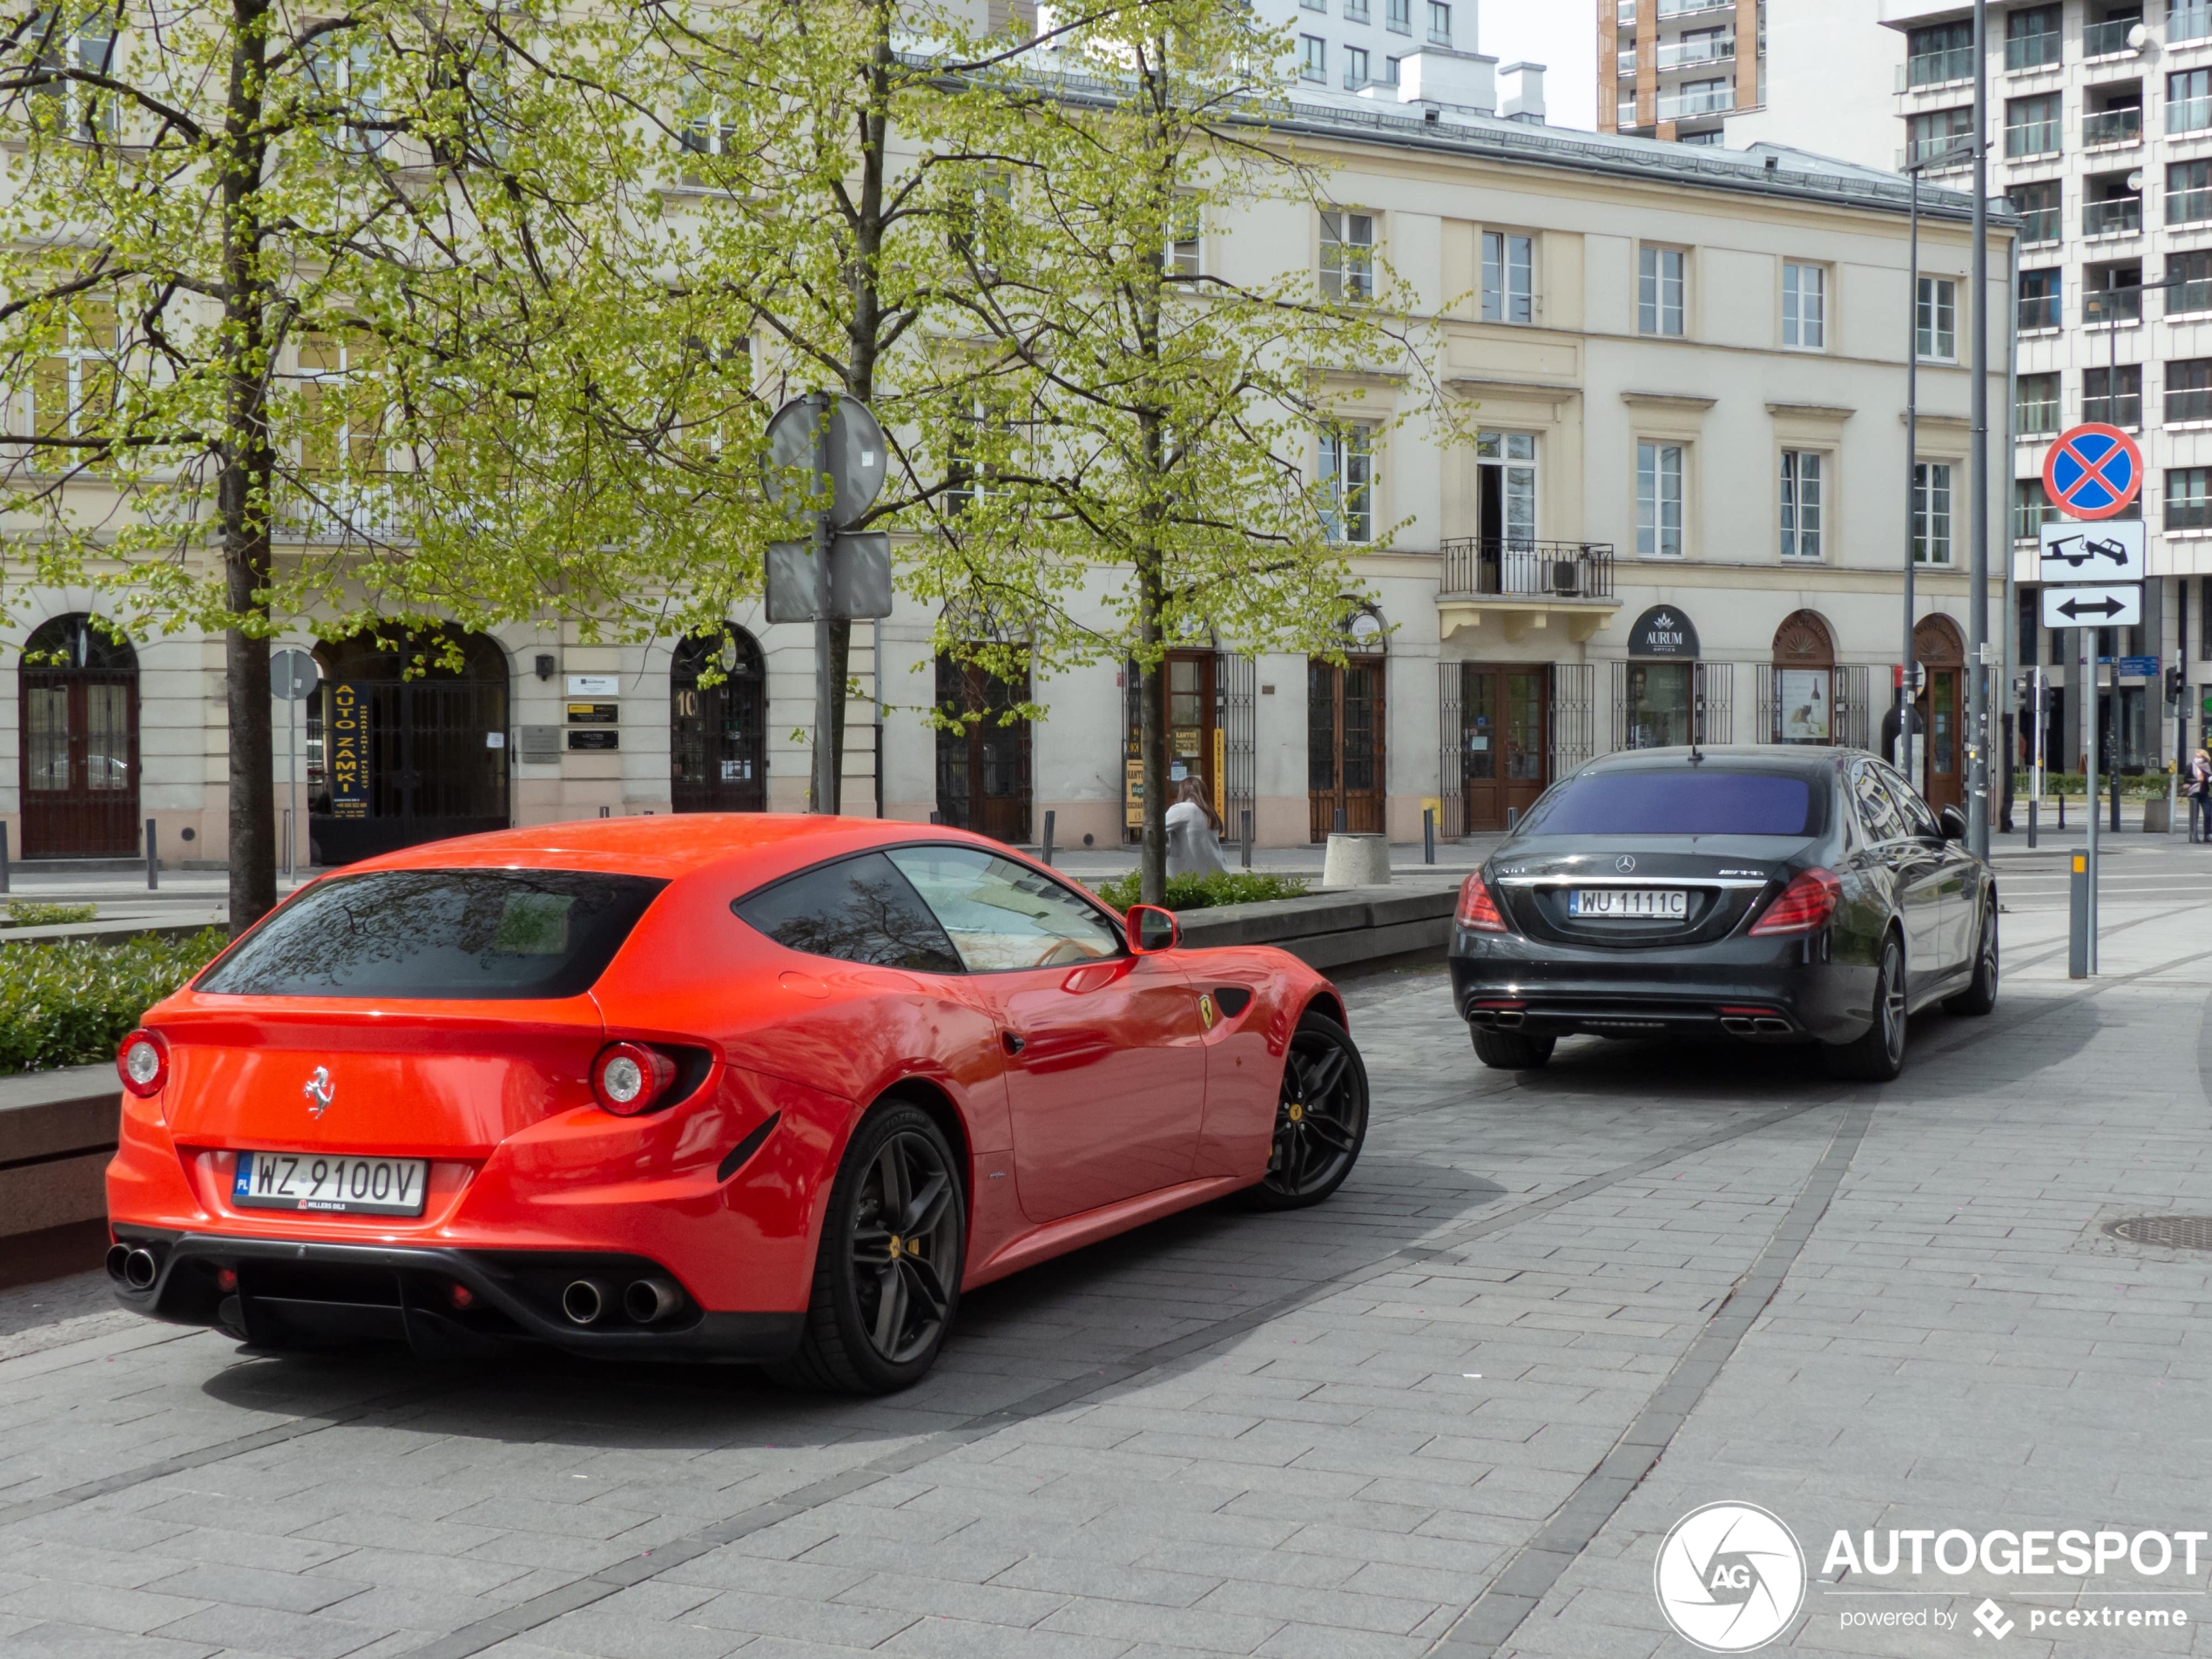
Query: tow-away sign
2119	605
2102	552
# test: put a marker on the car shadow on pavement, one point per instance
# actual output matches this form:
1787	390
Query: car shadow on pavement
1081	1313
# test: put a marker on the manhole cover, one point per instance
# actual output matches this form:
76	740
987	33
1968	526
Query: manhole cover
2167	1233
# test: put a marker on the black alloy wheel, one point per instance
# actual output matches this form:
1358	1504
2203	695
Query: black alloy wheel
1879	1055
1980	994
1320	1117
887	1278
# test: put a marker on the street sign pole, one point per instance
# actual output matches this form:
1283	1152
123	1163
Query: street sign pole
2088	638
1978	505
826	778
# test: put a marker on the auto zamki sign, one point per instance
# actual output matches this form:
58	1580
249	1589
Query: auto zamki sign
346	743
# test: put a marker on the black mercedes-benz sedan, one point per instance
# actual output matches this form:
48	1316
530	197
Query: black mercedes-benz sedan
1764	894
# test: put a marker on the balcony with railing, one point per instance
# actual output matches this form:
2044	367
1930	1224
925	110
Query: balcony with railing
2113	217
2041	50
1696	100
2188	22
2123	125
2117	305
1685	54
1624	64
2192	403
1932	69
1692	8
2125	411
1937	154
1507	568
2099	39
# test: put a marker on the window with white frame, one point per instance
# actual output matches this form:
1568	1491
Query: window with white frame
1659	492
1347	255
1932	512
707	129
1803	473
1508	277
1348	481
1936	318
1659	290
1183	239
341	407
1312	58
73	383
1805	305
82	40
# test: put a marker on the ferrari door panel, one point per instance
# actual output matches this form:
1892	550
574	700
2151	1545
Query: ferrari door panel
1243	1064
1106	1068
1106	1082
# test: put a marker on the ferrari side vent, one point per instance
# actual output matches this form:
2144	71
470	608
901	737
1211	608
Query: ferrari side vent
748	1147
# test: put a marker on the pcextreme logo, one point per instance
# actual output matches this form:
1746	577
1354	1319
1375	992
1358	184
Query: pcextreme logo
1729	1577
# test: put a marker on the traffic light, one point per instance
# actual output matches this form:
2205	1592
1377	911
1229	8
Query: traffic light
2173	684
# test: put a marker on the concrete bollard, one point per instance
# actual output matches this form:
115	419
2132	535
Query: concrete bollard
1356	861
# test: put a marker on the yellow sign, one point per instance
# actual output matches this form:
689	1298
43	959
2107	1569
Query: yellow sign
346	746
1133	793
1220	798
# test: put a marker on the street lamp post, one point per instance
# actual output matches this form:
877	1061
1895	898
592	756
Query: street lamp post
1906	705
1978	507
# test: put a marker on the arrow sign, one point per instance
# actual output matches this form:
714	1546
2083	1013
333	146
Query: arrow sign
2093	471
2108	552
2118	606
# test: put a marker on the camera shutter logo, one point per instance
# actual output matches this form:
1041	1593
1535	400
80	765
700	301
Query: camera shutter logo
1729	1577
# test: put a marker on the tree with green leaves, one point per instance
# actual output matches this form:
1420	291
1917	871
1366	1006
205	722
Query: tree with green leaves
1208	439
251	258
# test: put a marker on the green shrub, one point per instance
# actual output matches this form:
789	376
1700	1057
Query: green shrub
1203	892
69	1003
29	913
2148	786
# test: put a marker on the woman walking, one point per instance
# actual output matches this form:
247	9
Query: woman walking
2199	790
1194	832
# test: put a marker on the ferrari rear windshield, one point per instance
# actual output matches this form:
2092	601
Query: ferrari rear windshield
435	934
1701	802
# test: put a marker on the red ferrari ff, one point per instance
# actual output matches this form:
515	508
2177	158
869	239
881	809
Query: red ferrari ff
763	1088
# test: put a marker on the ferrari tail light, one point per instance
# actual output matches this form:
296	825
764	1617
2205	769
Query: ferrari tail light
1478	909
142	1063
628	1077
1804	904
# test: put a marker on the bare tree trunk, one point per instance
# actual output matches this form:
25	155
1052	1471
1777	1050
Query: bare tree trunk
247	473
840	643
1152	736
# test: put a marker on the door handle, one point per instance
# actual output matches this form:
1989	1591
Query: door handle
1014	1042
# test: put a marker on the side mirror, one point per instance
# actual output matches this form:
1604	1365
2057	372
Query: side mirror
1151	928
1953	822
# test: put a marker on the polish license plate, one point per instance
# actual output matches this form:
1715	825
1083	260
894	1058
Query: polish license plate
332	1186
1628	904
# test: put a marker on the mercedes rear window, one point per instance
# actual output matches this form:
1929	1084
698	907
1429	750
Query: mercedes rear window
435	934
1679	803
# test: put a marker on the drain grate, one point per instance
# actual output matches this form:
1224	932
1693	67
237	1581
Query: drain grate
2167	1233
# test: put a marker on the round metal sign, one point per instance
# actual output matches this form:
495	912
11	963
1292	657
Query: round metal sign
292	675
857	457
2093	471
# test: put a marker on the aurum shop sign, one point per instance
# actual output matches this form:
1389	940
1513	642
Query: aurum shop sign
1664	631
347	748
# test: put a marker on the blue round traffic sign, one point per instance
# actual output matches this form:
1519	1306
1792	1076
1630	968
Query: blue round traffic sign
2093	471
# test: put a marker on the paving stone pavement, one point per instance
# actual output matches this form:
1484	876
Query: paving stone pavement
1329	1433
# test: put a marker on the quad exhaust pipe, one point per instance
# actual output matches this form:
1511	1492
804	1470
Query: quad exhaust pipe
649	1300
1763	1025
133	1265
1496	1019
584	1302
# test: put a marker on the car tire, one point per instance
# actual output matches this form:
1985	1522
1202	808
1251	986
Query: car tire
1879	1055
852	1342
1320	1118
1513	1050
1980	994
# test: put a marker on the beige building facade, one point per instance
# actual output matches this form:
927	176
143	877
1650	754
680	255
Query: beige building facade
1685	514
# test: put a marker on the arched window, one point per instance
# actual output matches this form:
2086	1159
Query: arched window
77	694
1801	694
717	735
402	746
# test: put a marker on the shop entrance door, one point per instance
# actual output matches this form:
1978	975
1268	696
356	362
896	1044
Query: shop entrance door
1503	719
983	770
1345	750
717	735
1942	705
77	691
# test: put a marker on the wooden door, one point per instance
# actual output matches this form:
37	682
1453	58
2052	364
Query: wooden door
982	769
1346	763
80	763
1504	718
1943	717
1191	721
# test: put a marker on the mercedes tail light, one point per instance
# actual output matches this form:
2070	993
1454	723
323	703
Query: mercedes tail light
142	1063
1478	909
628	1077
1805	905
